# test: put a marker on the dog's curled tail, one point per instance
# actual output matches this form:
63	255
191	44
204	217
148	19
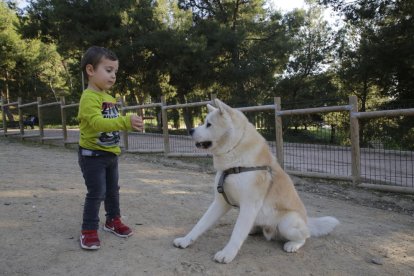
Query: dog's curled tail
322	225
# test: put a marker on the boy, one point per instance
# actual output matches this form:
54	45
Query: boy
99	124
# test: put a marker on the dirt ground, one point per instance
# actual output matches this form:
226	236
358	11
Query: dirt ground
42	193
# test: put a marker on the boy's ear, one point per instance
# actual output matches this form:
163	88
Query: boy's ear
89	69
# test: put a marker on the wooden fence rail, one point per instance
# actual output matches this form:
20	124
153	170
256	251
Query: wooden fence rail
352	108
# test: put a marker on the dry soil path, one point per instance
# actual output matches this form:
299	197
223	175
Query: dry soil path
41	197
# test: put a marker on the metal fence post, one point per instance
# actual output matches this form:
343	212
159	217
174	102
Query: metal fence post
355	149
165	126
279	132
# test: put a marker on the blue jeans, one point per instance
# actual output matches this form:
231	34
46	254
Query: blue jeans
101	180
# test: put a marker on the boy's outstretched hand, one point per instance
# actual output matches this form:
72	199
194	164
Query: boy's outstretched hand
137	123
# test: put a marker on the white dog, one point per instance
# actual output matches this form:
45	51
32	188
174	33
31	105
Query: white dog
248	176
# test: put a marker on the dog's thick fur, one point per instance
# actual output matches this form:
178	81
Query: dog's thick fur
268	200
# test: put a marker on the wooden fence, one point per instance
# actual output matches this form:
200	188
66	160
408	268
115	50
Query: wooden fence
351	108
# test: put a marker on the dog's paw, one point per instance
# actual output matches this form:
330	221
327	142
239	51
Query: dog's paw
182	242
293	246
225	256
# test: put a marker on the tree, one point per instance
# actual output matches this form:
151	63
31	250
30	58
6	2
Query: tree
68	24
27	64
245	47
308	75
386	32
10	45
378	60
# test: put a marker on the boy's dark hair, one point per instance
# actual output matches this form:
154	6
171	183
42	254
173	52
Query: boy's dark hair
94	55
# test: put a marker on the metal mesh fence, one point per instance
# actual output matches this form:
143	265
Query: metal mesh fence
313	143
151	142
72	124
51	118
180	140
317	143
151	138
387	155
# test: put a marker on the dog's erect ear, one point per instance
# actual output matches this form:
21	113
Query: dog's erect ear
210	108
222	106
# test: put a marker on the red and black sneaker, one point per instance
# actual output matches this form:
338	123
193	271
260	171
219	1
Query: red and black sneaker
89	240
116	226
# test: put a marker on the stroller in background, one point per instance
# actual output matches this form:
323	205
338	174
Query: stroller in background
31	121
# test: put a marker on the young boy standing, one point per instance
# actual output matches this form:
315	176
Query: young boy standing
99	124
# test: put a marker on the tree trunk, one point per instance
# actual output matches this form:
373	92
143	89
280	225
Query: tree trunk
362	135
6	88
333	133
187	116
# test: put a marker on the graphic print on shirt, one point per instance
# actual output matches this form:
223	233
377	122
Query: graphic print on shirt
109	110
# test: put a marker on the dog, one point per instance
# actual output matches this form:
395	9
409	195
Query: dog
249	177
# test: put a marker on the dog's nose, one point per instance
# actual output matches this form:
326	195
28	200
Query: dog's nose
191	131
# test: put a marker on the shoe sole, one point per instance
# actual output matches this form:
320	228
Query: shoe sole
115	233
93	247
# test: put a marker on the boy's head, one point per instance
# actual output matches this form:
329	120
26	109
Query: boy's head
94	56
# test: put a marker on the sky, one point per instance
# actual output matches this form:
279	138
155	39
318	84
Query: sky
286	5
283	5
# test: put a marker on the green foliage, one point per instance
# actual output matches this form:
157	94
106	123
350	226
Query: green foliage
29	67
377	61
10	46
188	49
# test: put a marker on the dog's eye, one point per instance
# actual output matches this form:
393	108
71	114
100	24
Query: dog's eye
208	125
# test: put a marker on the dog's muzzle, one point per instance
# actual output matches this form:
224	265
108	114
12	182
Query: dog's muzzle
204	145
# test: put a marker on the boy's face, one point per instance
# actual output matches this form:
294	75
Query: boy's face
102	77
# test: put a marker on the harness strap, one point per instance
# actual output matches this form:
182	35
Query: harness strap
236	170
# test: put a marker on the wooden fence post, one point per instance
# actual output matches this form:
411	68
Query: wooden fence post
63	115
21	124
355	150
165	126
279	132
39	116
213	97
3	113
125	132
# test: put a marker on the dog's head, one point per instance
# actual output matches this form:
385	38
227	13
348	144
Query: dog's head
222	126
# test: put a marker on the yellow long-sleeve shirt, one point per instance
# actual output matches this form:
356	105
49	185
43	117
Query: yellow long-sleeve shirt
100	122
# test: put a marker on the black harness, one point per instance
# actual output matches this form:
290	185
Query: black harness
236	170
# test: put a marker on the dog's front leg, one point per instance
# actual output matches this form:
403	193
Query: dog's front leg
244	223
216	210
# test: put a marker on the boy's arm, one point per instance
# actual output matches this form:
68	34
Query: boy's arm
90	110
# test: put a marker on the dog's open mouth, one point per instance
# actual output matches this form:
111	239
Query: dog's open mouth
204	145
